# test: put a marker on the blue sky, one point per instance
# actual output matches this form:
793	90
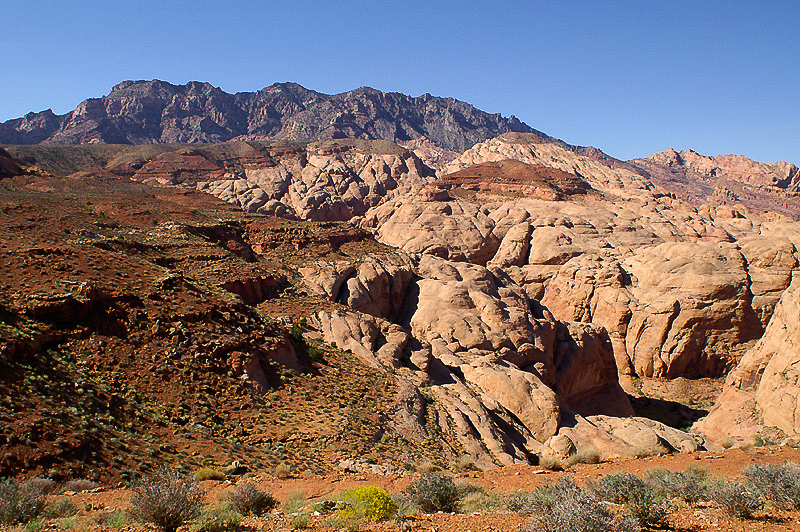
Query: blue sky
631	78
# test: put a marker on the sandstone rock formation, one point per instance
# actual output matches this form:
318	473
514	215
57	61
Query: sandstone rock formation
724	180
764	388
146	112
501	371
682	291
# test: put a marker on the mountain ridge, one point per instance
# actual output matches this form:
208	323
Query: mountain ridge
148	112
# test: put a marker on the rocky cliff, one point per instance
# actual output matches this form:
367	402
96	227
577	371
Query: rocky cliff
145	112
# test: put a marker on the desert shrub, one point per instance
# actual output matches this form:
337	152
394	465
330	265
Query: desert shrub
550	463
367	502
642	499
207	473
587	456
283	471
435	492
166	499
34	525
727	443
650	450
45	485
117	519
690	486
300	520
79	484
476	499
778	484
60	508
618	487
405	506
20	502
518	502
464	463
564	507
218	519
247	499
736	499
648	507
295	502
426	466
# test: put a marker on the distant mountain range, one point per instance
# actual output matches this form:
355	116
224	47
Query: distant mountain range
148	112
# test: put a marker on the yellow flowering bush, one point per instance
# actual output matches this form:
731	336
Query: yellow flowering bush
367	502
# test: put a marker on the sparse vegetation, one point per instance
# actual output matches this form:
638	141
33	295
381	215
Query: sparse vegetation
20	502
166	499
435	492
564	507
219	518
587	456
736	500
249	500
689	486
727	443
777	484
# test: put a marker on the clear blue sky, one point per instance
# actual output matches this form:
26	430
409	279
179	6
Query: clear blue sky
631	77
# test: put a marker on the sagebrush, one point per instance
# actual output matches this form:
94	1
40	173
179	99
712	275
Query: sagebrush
167	499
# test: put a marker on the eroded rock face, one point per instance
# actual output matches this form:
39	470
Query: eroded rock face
682	291
454	230
762	391
501	370
317	185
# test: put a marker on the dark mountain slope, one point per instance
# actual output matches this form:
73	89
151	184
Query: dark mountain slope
147	112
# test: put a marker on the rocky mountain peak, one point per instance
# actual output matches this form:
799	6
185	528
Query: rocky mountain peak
153	112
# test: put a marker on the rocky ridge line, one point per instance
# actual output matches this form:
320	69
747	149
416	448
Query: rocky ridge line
145	112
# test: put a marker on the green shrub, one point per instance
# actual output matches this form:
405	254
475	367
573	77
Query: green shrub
207	473
778	484
167	499
20	502
247	499
117	519
736	500
218	519
435	492
367	502
300	520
